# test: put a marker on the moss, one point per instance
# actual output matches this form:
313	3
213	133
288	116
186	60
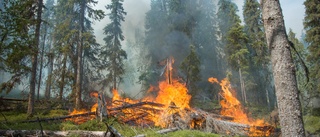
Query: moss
68	125
93	125
312	124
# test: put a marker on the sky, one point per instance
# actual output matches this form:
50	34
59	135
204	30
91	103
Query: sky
293	12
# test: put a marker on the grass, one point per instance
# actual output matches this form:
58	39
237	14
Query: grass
15	118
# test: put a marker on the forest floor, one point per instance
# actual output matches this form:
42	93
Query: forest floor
13	120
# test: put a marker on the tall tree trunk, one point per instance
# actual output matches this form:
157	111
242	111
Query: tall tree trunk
62	83
114	80
41	61
34	61
242	86
79	57
50	68
289	106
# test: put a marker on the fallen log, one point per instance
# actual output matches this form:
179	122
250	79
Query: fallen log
61	117
164	131
136	105
225	127
222	117
51	133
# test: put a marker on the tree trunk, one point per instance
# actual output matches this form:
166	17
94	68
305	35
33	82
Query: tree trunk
41	61
62	83
50	68
243	89
79	57
34	60
289	106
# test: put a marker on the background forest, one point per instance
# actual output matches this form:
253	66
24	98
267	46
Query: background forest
49	51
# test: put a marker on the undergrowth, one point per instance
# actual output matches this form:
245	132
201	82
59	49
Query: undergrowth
14	121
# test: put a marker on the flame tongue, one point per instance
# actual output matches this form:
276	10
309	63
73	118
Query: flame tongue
231	106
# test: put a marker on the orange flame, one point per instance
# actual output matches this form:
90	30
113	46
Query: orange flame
231	106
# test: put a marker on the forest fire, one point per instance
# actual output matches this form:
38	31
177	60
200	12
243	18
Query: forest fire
231	106
171	104
172	94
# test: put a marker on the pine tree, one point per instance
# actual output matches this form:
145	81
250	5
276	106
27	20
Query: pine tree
34	58
206	41
312	27
73	33
226	17
65	39
17	17
157	28
237	56
112	54
259	75
190	66
47	42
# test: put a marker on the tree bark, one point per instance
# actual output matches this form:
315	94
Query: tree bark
289	106
79	57
50	68
41	61
34	60
62	81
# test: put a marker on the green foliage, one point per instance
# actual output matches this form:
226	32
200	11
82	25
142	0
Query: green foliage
16	39
312	124
227	17
112	54
259	78
300	71
190	66
312	27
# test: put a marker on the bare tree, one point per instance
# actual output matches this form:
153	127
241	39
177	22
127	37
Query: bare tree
289	106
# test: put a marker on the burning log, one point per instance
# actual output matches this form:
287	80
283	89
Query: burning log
136	105
135	118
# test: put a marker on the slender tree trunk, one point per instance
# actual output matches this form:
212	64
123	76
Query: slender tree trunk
41	61
50	68
289	106
62	83
79	57
243	90
114	80
34	60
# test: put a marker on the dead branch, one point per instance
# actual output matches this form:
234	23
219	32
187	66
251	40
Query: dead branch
61	117
136	105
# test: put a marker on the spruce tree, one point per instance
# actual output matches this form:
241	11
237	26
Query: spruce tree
112	54
312	27
260	76
17	17
190	66
157	28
